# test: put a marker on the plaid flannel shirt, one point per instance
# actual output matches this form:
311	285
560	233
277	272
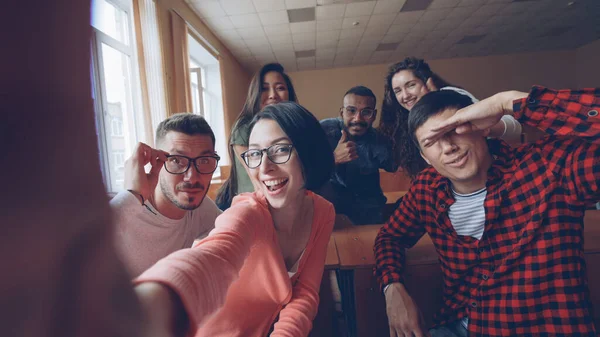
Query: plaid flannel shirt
527	274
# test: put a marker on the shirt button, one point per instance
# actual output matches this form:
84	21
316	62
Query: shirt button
485	277
532	101
443	206
474	304
593	113
481	250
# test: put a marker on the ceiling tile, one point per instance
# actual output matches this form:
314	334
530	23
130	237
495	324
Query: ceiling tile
301	14
305	54
366	46
219	23
245	20
463	3
238	7
326	43
325	25
303	27
438	34
392	38
283	46
489	10
208	9
332	35
273	18
250	33
280	39
435	14
324	64
330	12
398	29
269	5
388	6
323	52
423	27
352	33
274	30
348	43
342	62
348	23
376	31
304	38
462	12
448	24
305	45
359	9
256	43
346	53
294	4
408	17
443	4
229	33
305	61
381	20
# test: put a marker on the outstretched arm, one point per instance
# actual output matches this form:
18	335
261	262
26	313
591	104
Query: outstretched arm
199	277
295	320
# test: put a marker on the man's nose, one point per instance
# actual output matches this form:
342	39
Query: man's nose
447	145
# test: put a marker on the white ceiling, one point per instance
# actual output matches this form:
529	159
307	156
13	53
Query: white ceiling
259	31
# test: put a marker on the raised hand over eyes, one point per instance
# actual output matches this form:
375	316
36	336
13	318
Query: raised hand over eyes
477	117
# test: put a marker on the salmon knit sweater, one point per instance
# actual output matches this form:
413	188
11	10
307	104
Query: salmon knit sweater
235	282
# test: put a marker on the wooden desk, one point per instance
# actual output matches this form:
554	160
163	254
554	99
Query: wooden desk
332	260
355	246
364	304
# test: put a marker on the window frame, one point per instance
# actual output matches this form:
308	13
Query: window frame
99	38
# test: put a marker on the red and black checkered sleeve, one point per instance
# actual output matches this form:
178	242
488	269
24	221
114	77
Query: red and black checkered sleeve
401	231
574	117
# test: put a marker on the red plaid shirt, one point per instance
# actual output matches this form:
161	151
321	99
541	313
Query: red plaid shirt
527	274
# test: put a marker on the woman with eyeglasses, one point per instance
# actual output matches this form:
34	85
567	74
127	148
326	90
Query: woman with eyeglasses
405	84
263	262
270	85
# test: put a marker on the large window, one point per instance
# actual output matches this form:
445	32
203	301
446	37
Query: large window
207	98
116	87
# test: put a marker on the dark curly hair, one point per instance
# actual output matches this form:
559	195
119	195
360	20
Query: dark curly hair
394	117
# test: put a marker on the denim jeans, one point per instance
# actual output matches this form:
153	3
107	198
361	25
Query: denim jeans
454	329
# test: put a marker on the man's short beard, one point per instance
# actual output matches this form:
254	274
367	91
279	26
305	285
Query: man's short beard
164	187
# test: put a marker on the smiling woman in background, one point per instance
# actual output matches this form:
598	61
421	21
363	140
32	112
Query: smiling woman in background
269	85
272	242
405	84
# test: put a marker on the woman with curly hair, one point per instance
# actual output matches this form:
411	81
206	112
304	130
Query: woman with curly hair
406	82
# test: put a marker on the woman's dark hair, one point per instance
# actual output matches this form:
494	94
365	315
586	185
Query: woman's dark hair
394	117
251	107
308	138
433	104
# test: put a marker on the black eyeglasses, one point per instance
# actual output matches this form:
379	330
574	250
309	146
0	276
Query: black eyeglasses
277	153
365	113
177	164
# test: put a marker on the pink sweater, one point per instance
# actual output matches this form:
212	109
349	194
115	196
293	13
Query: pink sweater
239	268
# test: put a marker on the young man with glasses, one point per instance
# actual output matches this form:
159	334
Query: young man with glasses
359	151
165	209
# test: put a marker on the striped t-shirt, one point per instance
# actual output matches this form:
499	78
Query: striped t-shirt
467	216
467	213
